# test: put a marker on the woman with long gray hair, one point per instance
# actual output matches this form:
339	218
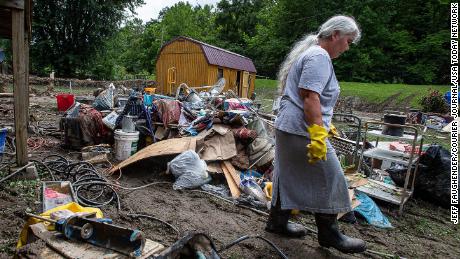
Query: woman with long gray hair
307	174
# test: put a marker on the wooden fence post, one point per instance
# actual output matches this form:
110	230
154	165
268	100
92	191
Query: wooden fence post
21	89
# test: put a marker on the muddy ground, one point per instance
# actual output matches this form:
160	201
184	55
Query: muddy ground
424	231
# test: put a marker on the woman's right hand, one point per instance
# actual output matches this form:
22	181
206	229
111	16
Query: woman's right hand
317	149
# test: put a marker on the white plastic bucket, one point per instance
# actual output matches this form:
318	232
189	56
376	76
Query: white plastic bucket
125	144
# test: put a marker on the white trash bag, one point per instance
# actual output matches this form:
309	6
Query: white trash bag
189	171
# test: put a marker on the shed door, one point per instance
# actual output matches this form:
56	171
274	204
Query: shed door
171	80
245	88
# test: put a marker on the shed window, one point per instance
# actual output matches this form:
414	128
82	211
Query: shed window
220	73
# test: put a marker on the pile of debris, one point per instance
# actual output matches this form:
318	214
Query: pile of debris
211	132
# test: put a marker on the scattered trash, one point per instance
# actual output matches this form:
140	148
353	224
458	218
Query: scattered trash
189	171
250	187
57	193
220	190
105	99
167	147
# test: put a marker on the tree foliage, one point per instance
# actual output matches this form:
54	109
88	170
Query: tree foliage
402	41
67	33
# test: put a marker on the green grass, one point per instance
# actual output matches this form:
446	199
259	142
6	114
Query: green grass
266	91
377	93
372	93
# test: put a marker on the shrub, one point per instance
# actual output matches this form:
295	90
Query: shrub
434	102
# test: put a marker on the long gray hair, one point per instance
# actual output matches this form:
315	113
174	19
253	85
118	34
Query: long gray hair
344	24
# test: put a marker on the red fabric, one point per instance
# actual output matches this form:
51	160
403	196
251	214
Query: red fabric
403	147
91	122
169	111
245	135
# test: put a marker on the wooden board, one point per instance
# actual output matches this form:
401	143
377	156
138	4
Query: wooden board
161	148
234	189
20	87
355	180
235	175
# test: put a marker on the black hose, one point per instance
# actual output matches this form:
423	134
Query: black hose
89	186
135	215
281	254
40	163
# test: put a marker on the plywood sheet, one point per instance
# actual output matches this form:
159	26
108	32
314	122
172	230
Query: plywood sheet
161	148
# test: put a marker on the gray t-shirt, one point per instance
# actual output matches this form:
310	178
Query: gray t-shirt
312	71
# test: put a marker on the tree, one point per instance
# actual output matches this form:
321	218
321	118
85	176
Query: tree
67	33
401	41
182	19
235	21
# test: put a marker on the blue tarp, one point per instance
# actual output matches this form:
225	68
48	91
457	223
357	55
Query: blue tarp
447	97
2	140
371	212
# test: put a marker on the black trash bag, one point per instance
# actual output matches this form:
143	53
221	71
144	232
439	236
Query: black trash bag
433	181
398	173
433	178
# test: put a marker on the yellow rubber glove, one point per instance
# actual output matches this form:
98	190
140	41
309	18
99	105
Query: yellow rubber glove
316	150
268	190
333	132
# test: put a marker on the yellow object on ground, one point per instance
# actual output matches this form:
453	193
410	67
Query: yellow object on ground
268	190
333	131
316	150
150	90
73	207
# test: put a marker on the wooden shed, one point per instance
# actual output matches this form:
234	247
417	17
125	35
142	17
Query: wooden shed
198	64
16	24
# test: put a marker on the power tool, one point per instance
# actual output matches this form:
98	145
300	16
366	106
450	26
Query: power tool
99	232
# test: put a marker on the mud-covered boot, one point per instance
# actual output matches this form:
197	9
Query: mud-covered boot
329	235
278	222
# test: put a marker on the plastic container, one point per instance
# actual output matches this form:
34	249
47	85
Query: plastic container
57	193
148	99
64	101
125	144
110	120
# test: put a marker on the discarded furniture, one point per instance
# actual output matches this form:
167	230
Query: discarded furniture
381	151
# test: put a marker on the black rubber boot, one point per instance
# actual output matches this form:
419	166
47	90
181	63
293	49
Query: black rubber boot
278	222
329	235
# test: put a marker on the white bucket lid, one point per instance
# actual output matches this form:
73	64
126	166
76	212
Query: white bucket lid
123	133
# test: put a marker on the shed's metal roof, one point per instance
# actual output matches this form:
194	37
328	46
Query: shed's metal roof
221	57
